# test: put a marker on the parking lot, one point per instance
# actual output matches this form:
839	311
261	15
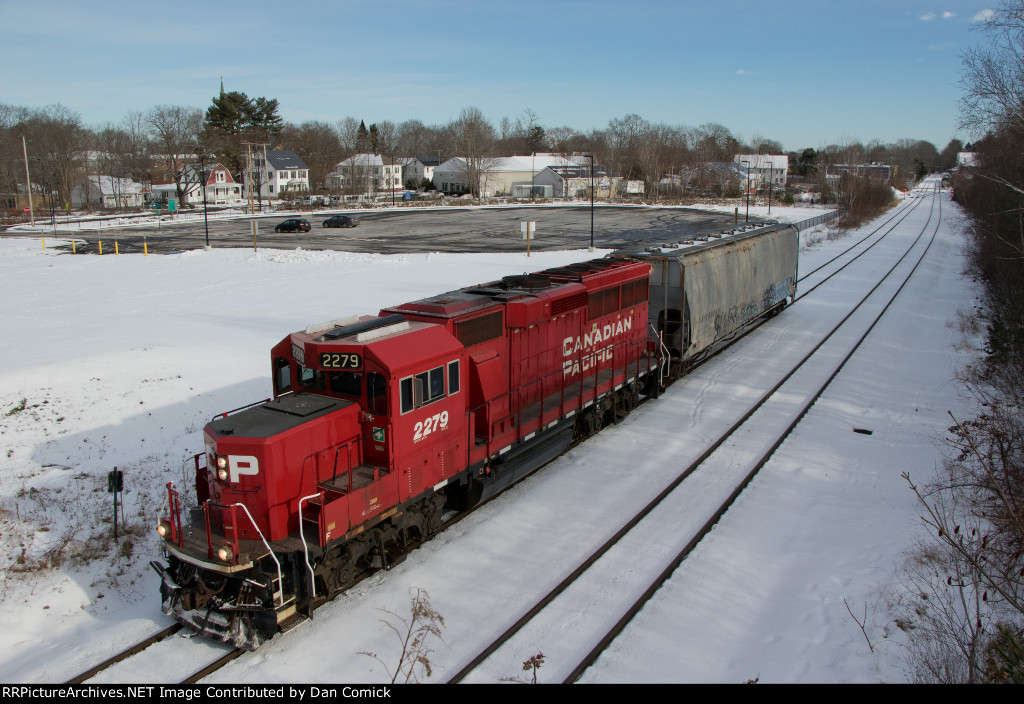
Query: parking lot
405	230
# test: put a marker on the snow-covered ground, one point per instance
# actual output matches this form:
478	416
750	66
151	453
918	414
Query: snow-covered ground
120	361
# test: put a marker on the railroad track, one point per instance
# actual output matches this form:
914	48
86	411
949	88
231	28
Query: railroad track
557	610
232	654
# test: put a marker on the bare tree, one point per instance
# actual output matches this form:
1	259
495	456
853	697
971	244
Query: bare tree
993	77
472	140
175	131
59	142
319	145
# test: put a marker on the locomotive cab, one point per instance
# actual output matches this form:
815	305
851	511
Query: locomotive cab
312	475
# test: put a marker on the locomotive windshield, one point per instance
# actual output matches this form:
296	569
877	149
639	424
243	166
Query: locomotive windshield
346	383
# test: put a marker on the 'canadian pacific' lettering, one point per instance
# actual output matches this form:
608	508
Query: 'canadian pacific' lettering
589	342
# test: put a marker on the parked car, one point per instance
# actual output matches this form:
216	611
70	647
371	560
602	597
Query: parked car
294	225
341	221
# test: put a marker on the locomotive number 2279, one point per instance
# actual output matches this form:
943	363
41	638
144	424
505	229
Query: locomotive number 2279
426	427
341	360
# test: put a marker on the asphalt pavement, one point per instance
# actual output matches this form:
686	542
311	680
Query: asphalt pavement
406	230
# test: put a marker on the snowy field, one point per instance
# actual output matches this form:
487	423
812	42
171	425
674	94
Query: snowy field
120	361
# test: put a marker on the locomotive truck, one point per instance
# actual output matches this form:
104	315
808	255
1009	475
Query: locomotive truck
378	425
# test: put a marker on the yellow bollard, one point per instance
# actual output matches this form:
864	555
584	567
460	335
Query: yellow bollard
74	250
44	242
115	248
145	249
101	246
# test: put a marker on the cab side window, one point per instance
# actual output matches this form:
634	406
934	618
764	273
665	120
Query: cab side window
427	387
282	376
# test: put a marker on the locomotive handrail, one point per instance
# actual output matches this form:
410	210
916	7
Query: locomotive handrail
225	414
305	548
337	451
279	594
173	506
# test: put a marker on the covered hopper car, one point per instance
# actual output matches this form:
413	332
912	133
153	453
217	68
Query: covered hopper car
379	424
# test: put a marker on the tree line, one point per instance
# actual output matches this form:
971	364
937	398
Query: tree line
961	600
150	147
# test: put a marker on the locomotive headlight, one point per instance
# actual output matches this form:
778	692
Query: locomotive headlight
222	474
222	462
164	529
225	553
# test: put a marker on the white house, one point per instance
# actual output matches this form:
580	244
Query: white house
418	168
282	174
501	175
967	159
765	168
221	189
575	181
109	192
366	173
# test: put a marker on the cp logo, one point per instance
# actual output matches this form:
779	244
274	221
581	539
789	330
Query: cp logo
242	464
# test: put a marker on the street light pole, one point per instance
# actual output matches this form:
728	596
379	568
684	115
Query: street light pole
747	217
28	184
202	179
591	157
771	179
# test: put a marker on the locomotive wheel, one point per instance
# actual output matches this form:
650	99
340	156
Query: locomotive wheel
338	571
588	424
432	508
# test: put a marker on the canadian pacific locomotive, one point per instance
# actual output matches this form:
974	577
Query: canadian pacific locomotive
378	424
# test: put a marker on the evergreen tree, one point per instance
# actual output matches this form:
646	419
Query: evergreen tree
362	138
234	118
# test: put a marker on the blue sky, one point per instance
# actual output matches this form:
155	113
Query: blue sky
804	72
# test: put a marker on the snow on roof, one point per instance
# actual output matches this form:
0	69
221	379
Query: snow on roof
576	171
522	163
109	185
764	161
363	160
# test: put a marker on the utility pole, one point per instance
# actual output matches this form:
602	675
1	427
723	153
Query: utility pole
744	161
261	169
28	183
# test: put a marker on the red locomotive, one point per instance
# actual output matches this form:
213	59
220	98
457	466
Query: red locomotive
379	424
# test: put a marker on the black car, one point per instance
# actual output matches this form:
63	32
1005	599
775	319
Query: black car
341	221
294	225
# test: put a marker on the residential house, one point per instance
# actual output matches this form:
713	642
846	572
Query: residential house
366	173
723	177
765	169
417	169
108	192
220	187
501	175
281	174
967	159
573	181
